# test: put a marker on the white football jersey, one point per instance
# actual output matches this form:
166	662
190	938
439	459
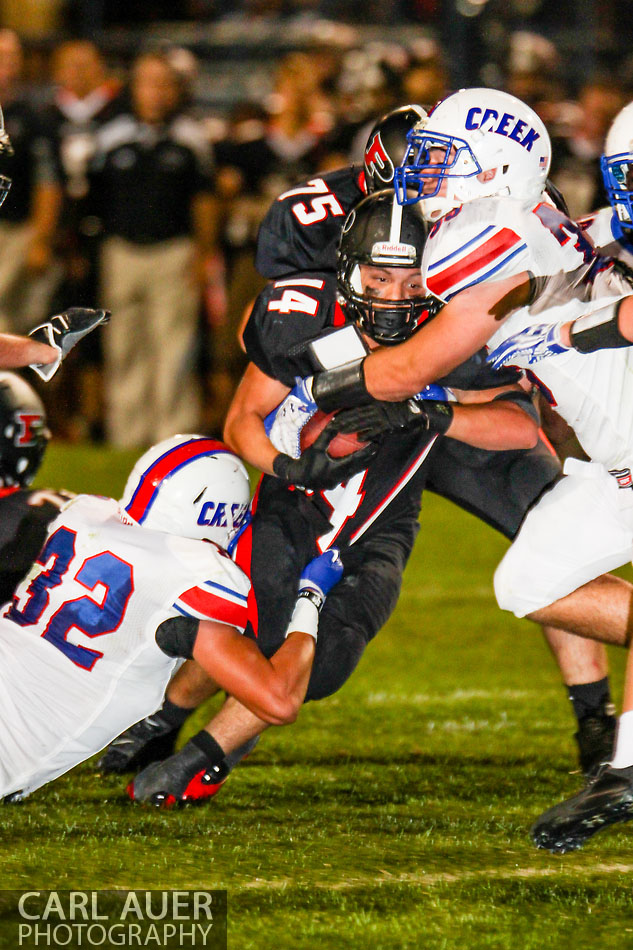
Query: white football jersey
599	229
494	238
78	658
490	239
593	392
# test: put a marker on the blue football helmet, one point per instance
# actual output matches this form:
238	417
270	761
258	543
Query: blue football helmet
617	166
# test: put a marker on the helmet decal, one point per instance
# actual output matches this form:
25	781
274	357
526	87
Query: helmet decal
164	467
377	160
26	433
23	432
387	143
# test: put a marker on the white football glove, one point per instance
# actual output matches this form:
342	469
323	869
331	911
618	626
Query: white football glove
284	424
530	346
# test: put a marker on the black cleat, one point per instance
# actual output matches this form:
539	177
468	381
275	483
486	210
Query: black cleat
147	741
604	801
596	738
184	778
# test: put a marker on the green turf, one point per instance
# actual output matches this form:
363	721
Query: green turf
394	814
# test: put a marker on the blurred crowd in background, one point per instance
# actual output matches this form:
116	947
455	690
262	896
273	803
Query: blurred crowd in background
144	161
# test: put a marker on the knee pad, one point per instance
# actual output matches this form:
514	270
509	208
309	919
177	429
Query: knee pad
508	583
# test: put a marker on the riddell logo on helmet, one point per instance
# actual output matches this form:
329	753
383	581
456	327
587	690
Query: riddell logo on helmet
377	159
382	249
488	120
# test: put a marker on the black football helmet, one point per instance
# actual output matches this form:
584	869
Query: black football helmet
23	432
380	232
387	144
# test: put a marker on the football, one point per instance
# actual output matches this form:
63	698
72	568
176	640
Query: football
343	443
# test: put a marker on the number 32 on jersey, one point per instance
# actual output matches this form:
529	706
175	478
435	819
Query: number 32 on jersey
106	576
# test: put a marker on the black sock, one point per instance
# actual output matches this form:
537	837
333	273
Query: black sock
173	714
590	698
207	744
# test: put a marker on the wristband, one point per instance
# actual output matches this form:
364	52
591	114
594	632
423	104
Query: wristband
341	388
598	330
305	618
313	596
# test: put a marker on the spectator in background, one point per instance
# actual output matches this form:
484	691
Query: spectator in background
84	98
153	185
30	214
575	155
425	80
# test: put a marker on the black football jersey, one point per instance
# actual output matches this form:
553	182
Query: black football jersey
302	226
286	316
24	519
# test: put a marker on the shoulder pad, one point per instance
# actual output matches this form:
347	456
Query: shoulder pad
478	241
302	226
286	315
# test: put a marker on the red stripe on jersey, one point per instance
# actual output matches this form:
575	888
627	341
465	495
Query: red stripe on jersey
339	315
243	558
494	247
214	607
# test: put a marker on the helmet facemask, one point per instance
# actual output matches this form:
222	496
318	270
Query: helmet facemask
388	322
380	233
617	172
477	143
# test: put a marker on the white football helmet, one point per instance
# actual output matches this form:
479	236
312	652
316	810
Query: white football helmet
617	165
469	133
190	486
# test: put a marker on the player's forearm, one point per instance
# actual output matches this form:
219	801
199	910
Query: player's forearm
272	689
493	426
608	328
461	328
246	435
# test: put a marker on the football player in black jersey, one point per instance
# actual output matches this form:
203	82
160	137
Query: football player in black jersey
24	514
372	516
497	489
302	227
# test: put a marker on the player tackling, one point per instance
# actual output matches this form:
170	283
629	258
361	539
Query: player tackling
93	633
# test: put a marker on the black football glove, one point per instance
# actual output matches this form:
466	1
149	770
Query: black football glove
316	469
379	418
63	331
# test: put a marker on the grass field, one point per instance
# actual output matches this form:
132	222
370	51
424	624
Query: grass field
394	814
